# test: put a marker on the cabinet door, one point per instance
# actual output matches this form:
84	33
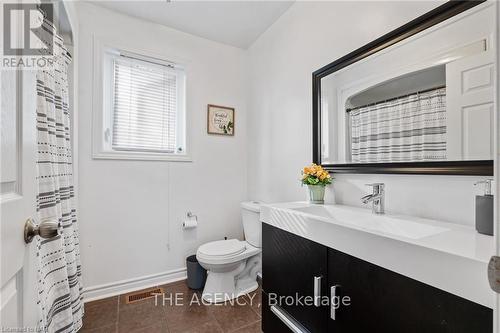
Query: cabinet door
384	301
289	267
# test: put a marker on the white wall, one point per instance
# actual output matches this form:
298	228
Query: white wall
308	36
126	207
130	211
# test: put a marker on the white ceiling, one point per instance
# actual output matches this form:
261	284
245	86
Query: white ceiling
237	23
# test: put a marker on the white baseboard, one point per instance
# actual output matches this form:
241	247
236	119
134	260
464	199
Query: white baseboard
125	286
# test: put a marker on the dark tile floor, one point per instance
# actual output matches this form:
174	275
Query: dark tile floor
179	310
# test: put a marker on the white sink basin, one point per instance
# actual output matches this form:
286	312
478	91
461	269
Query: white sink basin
422	249
365	220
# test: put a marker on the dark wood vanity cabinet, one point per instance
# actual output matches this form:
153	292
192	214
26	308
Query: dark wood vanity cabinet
290	266
384	301
379	300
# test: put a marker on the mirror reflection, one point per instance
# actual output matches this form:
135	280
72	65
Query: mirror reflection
427	98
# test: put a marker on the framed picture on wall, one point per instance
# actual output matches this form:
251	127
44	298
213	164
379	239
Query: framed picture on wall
220	120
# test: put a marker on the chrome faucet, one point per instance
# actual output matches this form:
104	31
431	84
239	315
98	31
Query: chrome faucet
376	198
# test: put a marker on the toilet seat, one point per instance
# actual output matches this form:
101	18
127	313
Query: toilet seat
222	248
225	251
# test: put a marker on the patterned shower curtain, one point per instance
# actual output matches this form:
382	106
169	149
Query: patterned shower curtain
409	128
59	271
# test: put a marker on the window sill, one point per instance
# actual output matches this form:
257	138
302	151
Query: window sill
140	156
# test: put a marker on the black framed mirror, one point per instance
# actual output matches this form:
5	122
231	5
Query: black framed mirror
418	100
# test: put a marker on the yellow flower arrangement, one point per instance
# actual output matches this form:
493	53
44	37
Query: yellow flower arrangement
315	175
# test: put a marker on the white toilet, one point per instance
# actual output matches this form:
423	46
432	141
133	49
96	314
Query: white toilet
232	264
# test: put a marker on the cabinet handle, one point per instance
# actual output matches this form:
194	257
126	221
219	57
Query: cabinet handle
289	321
317	291
333	296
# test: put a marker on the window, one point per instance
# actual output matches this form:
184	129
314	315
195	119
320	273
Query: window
144	107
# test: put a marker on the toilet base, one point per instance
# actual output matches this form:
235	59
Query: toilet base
222	287
243	287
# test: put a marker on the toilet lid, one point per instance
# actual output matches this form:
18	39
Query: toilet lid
222	248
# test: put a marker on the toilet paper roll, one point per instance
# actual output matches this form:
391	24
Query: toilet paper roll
189	224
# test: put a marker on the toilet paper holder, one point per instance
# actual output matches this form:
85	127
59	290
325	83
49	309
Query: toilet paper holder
191	221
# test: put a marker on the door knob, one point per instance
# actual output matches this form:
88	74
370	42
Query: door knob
494	273
46	229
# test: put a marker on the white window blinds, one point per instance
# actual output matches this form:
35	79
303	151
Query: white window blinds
145	106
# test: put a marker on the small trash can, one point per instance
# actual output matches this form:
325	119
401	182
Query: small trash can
196	275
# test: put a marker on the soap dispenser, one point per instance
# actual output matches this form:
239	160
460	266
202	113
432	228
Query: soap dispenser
484	209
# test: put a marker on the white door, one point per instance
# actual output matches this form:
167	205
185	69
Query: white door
470	93
17	198
496	322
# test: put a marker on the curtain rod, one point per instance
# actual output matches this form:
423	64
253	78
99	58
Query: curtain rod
395	98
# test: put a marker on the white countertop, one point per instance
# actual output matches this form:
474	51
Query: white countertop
448	256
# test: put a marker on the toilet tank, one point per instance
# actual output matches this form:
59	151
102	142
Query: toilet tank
250	213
